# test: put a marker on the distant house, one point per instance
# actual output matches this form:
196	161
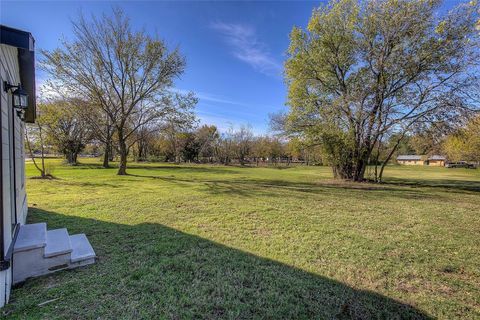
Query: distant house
436	160
410	159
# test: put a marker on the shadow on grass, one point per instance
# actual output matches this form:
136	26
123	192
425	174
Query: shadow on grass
272	187
150	271
82	165
185	168
450	184
85	184
390	182
194	168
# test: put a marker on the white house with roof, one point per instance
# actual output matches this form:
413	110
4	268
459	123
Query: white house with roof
26	250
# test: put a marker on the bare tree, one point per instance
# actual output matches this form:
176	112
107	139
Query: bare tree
101	127
34	132
128	73
243	141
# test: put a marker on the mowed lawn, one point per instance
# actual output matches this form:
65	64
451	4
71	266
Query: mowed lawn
198	241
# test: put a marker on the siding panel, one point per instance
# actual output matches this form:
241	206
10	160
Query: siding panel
9	71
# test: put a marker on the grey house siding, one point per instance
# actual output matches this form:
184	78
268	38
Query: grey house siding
13	160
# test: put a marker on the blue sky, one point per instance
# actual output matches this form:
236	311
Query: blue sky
234	50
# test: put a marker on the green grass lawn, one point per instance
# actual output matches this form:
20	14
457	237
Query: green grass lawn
194	241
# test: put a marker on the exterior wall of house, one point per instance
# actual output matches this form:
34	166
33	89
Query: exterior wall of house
436	163
14	196
411	162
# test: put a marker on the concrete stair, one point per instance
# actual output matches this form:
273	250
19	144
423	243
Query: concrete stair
38	251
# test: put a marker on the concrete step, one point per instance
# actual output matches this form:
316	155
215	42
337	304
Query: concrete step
31	236
58	243
38	252
82	249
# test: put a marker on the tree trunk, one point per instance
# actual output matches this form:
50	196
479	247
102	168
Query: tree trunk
71	158
106	155
106	159
360	172
380	175
42	169
111	152
122	168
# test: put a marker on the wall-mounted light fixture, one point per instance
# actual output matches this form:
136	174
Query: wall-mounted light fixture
20	97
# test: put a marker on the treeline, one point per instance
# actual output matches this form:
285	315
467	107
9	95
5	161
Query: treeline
66	127
63	127
356	98
206	144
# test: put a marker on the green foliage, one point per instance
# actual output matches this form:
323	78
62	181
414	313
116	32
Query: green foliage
63	126
464	144
364	71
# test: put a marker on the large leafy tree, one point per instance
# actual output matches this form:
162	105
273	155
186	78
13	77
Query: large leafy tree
63	128
363	72
464	144
128	74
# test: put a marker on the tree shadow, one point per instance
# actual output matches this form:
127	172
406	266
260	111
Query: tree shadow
99	165
390	182
196	168
450	184
150	271
251	187
85	184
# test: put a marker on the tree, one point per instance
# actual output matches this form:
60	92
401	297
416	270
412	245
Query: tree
34	134
260	149
101	127
364	71
268	148
207	137
175	124
127	73
144	137
242	139
64	128
464	144
428	139
225	149
190	146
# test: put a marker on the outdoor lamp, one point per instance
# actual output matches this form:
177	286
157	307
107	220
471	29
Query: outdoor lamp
20	96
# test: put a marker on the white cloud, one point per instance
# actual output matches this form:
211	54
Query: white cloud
214	98
208	97
247	48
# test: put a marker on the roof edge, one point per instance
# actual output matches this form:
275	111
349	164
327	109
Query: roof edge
16	38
